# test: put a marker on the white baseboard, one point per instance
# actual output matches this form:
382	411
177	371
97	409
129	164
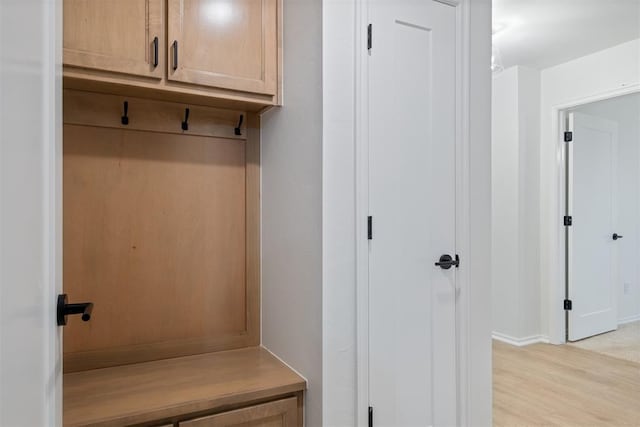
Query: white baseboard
629	319
519	342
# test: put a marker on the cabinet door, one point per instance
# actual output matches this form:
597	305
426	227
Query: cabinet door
281	413
124	36
231	44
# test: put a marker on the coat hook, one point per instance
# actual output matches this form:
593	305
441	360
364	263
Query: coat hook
237	129
125	118
185	123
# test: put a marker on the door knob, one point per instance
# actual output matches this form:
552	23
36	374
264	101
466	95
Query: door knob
446	262
616	236
64	309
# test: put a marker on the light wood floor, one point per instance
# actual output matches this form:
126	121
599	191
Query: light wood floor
549	385
623	343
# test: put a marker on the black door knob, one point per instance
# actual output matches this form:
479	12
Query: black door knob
616	236
64	309
446	262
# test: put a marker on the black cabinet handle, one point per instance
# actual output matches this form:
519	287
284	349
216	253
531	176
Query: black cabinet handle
446	262
155	51
617	236
64	309
175	55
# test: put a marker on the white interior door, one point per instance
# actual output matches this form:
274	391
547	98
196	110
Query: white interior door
412	322
30	221
592	248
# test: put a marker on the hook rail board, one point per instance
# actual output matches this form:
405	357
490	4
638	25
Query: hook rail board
97	109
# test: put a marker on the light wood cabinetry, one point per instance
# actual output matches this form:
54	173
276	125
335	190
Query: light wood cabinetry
220	53
122	36
281	413
224	44
162	213
247	387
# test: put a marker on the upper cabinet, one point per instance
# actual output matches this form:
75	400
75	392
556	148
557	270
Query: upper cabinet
229	44
123	36
224	53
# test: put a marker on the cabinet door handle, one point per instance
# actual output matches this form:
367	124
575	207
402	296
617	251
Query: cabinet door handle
175	55
155	52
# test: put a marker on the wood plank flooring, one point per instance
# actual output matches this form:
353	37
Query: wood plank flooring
549	385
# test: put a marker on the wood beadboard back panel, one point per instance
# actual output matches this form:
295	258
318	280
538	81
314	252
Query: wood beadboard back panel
160	234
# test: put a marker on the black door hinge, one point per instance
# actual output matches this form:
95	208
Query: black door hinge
568	220
568	305
369	36
568	136
370	227
370	416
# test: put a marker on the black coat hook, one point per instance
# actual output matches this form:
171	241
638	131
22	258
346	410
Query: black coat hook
185	123
125	118
237	129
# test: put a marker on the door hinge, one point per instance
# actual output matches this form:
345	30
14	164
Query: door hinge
568	220
370	416
568	136
568	305
370	227
369	36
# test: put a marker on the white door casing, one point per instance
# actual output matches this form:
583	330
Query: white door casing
555	209
30	212
412	199
591	195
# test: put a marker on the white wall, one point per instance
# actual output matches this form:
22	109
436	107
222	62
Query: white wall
529	136
292	206
515	267
579	80
626	112
505	211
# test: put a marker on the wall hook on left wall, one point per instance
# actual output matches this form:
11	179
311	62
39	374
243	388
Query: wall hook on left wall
185	123
238	129
125	118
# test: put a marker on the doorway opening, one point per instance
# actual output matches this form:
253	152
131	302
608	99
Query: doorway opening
561	264
602	153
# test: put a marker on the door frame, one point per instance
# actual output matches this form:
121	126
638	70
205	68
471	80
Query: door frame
559	118
465	315
37	154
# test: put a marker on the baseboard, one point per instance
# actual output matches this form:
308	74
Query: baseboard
519	342
629	319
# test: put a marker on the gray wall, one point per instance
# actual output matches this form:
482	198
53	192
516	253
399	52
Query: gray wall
479	291
292	206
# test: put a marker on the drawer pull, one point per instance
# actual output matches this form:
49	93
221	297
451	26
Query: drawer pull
155	51
175	55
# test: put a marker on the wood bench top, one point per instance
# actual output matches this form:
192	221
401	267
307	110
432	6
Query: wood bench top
157	390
